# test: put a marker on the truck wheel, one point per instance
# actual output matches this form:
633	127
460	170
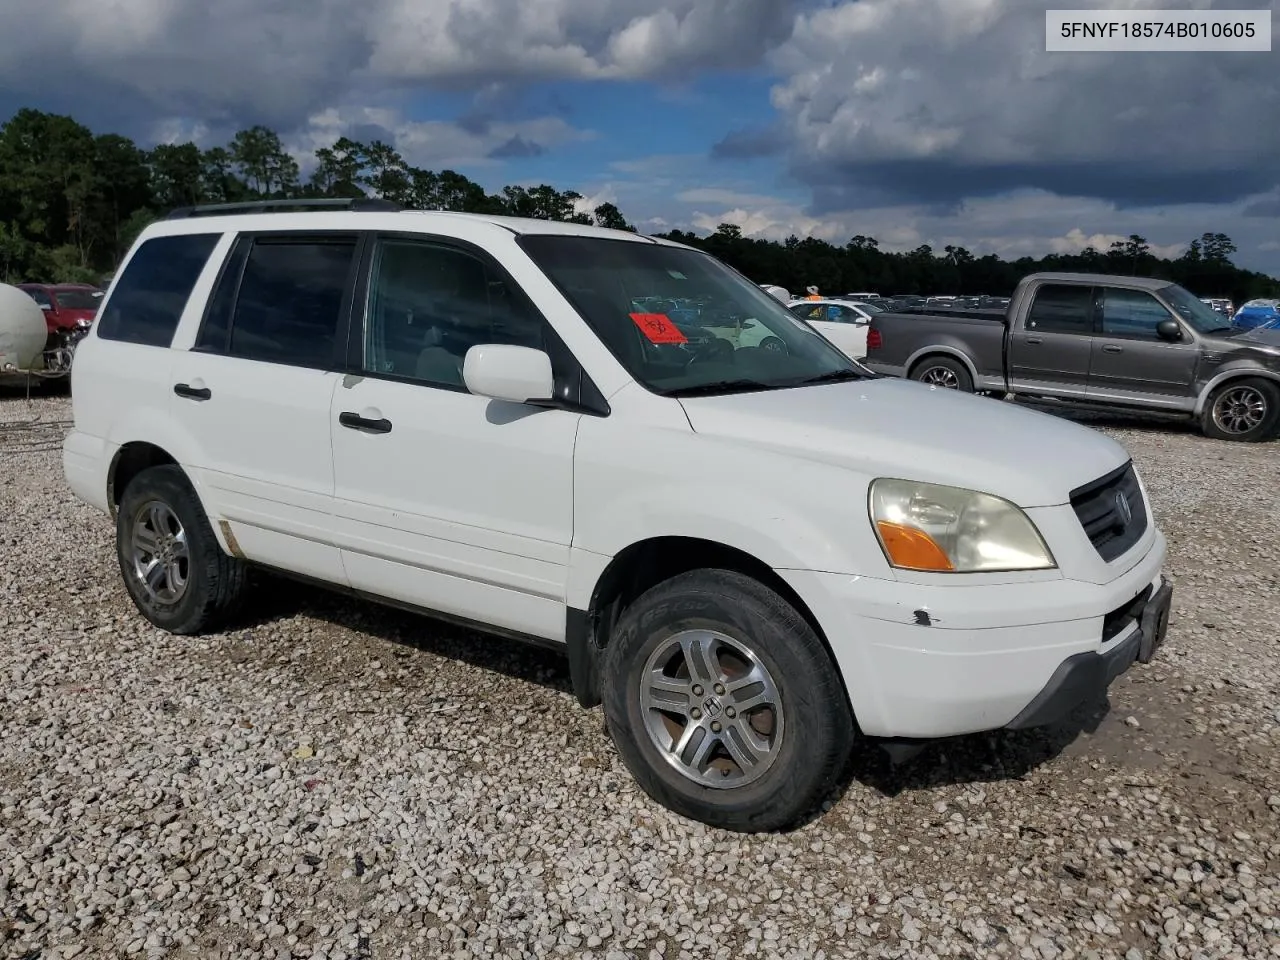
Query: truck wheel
945	372
724	703
174	569
1247	410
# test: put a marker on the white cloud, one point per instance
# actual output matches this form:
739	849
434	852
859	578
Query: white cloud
281	60
940	99
433	144
1024	224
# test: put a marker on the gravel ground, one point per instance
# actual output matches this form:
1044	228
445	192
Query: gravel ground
335	780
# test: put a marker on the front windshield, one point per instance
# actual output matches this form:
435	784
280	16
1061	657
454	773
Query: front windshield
682	322
1202	317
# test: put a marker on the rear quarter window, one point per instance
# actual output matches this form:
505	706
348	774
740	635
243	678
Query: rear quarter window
147	300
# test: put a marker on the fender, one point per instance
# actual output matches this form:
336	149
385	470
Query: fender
1242	369
949	351
155	428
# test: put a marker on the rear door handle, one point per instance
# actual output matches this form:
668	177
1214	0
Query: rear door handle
363	424
192	393
1112	348
1034	340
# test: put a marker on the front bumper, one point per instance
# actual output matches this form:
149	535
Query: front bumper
982	653
1085	676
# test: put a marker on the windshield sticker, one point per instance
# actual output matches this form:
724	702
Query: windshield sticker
658	328
677	275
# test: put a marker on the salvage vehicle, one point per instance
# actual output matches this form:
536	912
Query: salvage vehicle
1078	339
69	309
1256	313
465	415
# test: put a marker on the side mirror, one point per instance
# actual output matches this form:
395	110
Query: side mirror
504	372
1169	330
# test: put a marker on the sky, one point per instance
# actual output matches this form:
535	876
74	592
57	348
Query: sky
911	121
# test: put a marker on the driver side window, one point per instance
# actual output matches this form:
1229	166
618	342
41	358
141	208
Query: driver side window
1131	313
428	304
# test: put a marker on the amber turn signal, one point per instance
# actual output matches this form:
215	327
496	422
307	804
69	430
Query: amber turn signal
912	549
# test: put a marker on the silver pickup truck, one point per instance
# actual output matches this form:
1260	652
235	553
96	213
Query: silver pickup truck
1095	340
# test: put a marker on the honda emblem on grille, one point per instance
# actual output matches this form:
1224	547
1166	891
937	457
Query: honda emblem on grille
1124	512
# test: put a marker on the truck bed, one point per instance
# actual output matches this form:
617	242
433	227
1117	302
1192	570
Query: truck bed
975	337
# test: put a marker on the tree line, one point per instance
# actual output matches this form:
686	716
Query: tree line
71	203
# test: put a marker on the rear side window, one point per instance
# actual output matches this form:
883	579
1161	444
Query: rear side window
1062	308
147	300
289	304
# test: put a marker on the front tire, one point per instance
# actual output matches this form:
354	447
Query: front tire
172	565
1246	410
724	704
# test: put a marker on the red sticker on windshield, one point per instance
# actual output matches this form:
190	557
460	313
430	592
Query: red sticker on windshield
658	328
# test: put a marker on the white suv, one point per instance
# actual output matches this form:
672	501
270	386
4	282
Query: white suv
749	553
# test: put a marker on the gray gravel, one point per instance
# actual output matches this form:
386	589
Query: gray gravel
335	780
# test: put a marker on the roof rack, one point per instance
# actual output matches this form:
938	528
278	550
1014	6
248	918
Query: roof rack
368	204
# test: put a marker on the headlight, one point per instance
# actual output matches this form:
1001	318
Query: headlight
926	526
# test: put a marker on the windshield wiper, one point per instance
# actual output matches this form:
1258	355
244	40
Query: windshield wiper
832	376
740	385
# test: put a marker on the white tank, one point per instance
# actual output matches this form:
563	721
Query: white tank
23	331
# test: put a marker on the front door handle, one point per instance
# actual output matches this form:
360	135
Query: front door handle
192	393
1112	348
363	424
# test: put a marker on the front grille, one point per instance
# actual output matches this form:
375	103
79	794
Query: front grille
1098	506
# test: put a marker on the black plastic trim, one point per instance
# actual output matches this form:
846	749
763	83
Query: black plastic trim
465	623
361	204
1077	679
584	657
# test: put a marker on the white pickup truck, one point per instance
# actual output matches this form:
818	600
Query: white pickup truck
750	555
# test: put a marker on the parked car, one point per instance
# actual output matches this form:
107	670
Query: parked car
1084	339
843	323
465	414
1256	313
69	309
1219	304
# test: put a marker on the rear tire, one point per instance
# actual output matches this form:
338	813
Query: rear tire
173	567
946	373
1245	410
758	684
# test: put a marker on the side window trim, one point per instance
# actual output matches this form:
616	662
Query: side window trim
236	260
585	395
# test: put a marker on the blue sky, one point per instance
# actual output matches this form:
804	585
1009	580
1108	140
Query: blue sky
913	121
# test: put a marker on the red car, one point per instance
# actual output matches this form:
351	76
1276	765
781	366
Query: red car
69	309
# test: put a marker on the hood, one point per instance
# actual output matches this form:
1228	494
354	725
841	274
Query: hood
68	319
900	428
1266	337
